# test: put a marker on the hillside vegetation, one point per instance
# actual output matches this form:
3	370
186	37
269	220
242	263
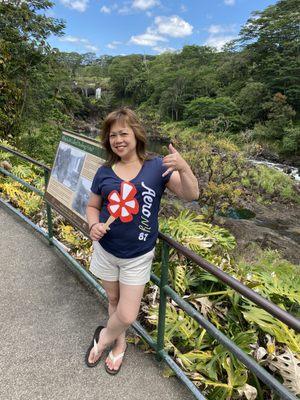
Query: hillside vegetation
249	91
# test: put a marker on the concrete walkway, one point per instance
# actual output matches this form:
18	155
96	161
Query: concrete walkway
47	319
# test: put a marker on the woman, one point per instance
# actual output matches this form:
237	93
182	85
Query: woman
127	191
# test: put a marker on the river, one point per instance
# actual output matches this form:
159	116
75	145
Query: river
293	171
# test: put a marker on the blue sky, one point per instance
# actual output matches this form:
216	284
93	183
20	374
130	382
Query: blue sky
119	27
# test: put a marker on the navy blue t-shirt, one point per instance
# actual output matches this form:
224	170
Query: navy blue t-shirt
135	204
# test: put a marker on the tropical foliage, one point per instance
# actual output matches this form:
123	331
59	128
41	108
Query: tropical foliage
213	368
251	85
270	184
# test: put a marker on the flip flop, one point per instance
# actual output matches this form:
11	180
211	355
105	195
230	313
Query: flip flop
92	345
114	359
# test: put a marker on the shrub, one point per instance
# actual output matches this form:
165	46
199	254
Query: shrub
40	142
291	140
206	108
272	183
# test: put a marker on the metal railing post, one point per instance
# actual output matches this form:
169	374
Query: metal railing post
48	209
162	299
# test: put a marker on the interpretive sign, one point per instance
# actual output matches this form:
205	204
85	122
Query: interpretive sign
76	162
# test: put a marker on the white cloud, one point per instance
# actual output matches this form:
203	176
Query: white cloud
219	35
173	26
149	38
144	4
229	2
129	7
125	10
183	8
114	44
78	5
72	39
105	10
215	29
161	50
84	43
218	41
91	48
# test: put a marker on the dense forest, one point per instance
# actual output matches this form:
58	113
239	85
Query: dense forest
249	91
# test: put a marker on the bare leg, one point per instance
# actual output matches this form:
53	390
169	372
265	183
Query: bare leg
127	311
125	314
113	294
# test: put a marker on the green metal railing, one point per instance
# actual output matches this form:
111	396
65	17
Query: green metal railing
167	291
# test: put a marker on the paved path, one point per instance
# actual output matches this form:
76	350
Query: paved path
47	317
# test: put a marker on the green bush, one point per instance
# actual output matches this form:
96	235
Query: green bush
40	142
291	140
270	182
209	108
251	99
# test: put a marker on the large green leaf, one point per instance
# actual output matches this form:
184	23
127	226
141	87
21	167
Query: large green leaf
194	360
286	287
272	326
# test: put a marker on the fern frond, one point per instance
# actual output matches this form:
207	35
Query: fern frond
24	172
179	279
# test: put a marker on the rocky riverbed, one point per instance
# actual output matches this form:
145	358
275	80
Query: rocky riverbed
275	226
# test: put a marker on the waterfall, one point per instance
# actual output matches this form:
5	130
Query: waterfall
98	93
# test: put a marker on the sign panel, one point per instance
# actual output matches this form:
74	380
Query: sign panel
76	162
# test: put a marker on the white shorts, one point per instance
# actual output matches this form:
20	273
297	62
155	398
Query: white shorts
129	271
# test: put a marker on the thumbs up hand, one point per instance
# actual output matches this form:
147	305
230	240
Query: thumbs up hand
174	161
172	149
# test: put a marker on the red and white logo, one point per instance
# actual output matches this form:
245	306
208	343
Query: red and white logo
123	205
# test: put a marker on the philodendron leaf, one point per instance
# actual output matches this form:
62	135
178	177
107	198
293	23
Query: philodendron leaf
198	242
249	391
237	377
288	365
220	393
194	360
271	284
272	326
201	303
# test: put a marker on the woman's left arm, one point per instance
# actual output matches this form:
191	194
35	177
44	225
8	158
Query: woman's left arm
182	181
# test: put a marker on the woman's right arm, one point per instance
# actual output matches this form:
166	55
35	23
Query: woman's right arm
92	212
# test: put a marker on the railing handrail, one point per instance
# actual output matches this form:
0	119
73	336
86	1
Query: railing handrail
244	290
25	157
167	290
